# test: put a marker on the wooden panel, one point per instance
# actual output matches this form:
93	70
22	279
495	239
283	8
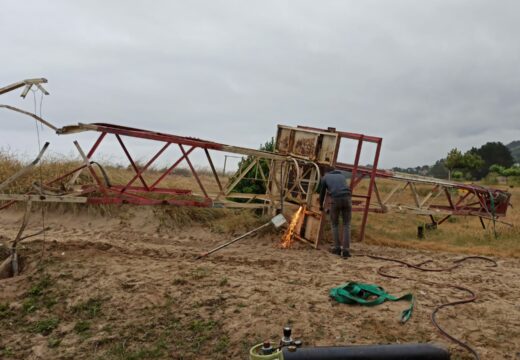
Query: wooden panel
327	149
312	229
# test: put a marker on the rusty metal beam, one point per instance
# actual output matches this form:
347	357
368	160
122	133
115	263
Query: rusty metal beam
28	83
26	169
35	117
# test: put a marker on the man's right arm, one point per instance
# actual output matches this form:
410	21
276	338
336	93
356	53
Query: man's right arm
322	193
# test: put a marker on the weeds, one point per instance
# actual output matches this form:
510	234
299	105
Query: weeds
38	288
6	351
53	342
88	309
46	326
201	331
120	351
39	295
199	273
180	281
222	344
82	326
5	311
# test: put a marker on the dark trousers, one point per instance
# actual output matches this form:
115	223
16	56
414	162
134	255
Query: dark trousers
341	206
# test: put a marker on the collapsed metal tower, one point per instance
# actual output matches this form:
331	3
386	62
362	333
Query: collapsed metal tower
290	174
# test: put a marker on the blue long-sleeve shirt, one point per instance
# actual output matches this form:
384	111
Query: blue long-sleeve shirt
335	182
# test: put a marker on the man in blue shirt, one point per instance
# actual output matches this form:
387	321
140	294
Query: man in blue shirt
335	183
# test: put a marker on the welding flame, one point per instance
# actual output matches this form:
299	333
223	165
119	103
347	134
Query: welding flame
287	238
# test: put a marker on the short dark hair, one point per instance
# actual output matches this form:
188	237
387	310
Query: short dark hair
326	169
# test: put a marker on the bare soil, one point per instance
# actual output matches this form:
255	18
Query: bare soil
127	288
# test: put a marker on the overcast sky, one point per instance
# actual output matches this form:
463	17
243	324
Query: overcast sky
426	76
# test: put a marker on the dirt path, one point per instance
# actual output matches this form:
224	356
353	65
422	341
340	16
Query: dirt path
111	290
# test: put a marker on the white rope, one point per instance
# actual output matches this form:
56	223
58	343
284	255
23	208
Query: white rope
40	167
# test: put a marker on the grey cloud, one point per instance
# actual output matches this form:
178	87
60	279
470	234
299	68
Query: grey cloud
426	76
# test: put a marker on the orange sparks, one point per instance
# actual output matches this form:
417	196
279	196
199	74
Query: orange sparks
287	238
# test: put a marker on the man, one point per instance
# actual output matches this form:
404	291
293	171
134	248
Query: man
335	182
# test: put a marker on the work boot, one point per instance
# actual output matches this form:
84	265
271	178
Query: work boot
345	254
335	251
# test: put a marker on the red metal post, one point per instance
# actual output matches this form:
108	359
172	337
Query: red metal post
370	189
96	144
356	163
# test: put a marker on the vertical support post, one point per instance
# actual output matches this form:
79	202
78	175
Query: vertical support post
370	188
356	164
224	169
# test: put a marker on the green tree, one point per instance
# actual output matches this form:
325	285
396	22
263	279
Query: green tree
469	161
472	162
439	170
249	184
492	153
454	160
500	170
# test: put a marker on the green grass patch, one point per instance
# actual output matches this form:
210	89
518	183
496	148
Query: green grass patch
46	326
82	327
201	331
89	309
222	344
39	295
6	351
5	311
39	288
122	352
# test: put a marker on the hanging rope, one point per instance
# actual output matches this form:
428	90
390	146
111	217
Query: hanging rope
40	168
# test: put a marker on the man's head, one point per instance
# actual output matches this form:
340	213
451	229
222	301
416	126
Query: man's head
326	169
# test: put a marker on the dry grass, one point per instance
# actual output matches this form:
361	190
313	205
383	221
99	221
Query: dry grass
218	220
53	167
459	234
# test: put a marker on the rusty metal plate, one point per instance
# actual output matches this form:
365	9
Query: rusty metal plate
305	144
283	140
327	150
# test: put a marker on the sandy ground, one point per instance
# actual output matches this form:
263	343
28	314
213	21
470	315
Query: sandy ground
119	289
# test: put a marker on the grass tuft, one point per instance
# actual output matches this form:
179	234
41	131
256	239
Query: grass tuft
89	309
46	326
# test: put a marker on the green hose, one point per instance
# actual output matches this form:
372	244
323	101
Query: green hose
254	354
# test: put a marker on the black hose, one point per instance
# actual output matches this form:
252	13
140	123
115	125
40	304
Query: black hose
369	352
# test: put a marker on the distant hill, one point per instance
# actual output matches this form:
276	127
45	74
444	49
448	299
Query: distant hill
514	147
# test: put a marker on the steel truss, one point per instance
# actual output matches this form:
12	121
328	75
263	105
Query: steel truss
290	176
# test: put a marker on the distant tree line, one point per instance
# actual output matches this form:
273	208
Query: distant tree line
474	164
